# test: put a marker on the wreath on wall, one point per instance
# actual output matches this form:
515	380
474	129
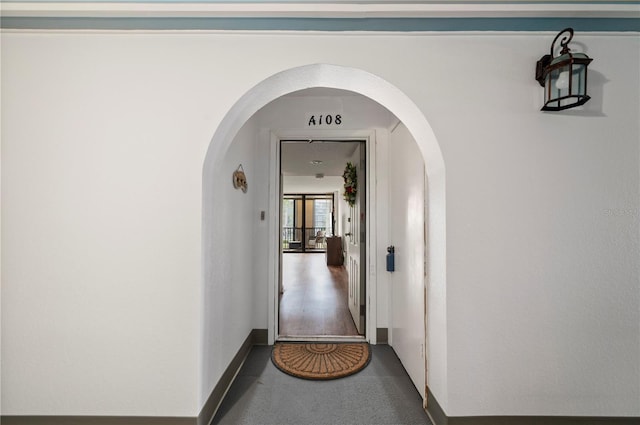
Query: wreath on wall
350	177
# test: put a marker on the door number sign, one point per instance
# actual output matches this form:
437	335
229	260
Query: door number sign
324	120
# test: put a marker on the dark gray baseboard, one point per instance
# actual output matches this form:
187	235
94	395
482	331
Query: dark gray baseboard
255	337
541	420
439	417
260	337
95	420
382	335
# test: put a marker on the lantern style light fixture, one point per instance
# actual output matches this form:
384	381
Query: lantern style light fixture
563	77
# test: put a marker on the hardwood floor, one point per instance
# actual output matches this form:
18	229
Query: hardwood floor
314	301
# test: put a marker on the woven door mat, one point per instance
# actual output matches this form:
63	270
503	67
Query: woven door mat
321	360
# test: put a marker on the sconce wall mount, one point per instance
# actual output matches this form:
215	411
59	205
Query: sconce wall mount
563	77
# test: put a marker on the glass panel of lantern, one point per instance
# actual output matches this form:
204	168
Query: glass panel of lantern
566	82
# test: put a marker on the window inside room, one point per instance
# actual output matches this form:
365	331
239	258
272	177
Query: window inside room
306	222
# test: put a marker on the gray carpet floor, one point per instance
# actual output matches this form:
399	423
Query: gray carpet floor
381	393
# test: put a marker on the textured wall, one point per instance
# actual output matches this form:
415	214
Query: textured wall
103	141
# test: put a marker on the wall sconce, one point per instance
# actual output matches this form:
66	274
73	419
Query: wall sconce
564	77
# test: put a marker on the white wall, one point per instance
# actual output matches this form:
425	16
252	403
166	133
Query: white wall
229	256
291	114
101	188
103	140
407	234
544	311
310	184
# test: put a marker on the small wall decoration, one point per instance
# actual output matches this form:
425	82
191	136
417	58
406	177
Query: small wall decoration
350	177
240	179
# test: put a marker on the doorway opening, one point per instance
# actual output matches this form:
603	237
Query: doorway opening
322	296
234	142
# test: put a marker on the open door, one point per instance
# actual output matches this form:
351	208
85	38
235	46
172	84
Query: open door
407	232
356	244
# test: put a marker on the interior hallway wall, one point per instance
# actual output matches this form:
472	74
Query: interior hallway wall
229	255
101	195
103	140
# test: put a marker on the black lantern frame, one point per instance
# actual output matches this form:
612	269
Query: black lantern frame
563	77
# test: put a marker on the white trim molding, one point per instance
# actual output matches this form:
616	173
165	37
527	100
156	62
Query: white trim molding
320	9
274	252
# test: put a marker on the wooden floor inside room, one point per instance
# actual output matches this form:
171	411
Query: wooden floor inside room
314	301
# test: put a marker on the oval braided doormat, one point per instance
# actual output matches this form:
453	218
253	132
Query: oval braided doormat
320	360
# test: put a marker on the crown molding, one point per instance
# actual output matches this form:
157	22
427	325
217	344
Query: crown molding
301	9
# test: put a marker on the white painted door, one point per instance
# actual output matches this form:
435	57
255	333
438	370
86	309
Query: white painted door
356	242
407	234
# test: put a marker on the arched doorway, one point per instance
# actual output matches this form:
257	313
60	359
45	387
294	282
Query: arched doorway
387	95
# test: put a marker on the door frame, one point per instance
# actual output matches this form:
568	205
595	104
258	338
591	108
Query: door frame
274	251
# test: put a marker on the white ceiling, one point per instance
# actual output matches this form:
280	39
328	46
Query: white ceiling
297	157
